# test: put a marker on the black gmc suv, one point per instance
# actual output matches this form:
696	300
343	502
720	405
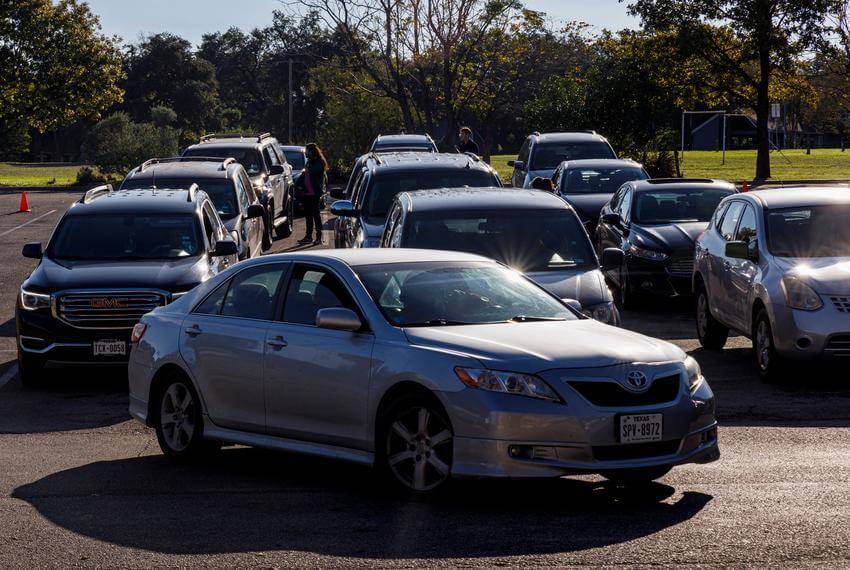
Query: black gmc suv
114	256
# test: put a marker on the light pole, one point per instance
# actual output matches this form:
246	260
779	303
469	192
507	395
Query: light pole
290	102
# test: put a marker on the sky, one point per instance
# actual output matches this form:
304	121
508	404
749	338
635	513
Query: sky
132	19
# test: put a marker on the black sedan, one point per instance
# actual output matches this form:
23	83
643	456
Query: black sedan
655	223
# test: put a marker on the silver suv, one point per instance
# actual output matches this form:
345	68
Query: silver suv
773	265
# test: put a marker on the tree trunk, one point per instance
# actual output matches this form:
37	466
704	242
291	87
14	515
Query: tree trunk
762	116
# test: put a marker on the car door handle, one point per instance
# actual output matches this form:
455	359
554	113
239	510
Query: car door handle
277	342
194	330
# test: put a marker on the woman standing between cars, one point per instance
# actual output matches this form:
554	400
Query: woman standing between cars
310	189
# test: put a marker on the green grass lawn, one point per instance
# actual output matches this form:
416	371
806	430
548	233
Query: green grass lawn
822	164
41	174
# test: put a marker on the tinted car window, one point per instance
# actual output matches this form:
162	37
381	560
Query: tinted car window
213	303
412	145
310	289
384	188
295	158
271	156
249	158
242	193
219	190
598	180
527	240
812	231
127	236
747	227
443	294
730	220
252	291
550	155
669	205
524	150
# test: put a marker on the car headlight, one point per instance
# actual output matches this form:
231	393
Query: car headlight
694	373
33	301
798	295
507	382
604	312
647	253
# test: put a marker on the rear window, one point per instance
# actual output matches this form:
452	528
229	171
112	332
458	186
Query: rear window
598	180
384	187
547	156
400	146
677	205
220	191
249	158
295	158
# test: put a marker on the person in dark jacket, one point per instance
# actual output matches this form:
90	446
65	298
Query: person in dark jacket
465	142
311	187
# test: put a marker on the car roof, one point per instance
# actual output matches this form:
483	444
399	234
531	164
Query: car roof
294	147
801	196
140	200
182	169
655	184
492	198
231	143
355	257
402	161
577	136
601	163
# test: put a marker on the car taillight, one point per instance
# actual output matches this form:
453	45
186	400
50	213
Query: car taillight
138	332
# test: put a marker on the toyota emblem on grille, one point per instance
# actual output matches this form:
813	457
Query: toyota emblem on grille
636	379
108	303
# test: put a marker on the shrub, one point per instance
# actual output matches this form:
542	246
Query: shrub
116	144
89	175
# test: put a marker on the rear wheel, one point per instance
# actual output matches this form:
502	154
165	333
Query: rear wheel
640	476
179	423
268	226
284	230
771	367
711	333
30	369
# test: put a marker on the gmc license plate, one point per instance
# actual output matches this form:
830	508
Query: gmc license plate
639	428
109	348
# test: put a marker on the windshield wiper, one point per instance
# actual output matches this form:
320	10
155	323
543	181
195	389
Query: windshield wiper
527	319
437	323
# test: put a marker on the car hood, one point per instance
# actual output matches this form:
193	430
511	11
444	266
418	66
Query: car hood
588	206
535	347
585	286
669	236
827	275
178	275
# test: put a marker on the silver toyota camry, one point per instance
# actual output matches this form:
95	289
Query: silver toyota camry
426	364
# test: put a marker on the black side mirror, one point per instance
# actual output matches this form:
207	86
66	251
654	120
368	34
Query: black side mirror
32	250
276	169
224	248
612	219
518	164
512	163
612	258
256	211
572	303
741	250
343	208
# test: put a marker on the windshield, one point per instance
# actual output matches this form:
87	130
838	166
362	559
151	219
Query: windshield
598	180
810	231
547	156
383	188
126	236
249	158
295	158
677	205
220	191
453	293
527	240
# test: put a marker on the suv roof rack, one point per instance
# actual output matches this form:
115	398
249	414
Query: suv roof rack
679	180
259	136
170	160
193	191
535	134
374	156
473	156
95	193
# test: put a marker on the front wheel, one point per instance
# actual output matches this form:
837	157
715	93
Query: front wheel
710	332
284	230
771	367
179	424
416	445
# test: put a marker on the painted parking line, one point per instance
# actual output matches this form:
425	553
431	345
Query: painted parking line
26	223
8	375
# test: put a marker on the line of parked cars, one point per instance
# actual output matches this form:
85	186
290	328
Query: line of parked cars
460	329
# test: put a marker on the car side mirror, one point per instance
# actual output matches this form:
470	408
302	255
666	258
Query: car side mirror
338	319
256	211
276	169
32	250
737	250
612	258
573	304
225	247
343	208
512	163
518	164
612	219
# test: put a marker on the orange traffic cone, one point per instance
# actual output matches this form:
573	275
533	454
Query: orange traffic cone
745	188
25	205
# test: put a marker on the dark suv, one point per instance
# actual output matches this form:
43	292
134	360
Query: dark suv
541	154
270	174
225	182
382	176
113	257
403	143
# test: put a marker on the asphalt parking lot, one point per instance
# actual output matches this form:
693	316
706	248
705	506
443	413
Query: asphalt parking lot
82	485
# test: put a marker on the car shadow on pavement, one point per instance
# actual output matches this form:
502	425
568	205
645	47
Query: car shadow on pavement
249	500
68	399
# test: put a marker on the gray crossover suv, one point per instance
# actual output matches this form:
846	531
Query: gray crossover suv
426	364
774	265
541	154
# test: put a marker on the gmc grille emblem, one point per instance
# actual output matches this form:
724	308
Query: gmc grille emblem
108	303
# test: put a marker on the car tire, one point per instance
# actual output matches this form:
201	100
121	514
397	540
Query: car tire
30	369
710	332
179	421
770	366
284	230
637	476
415	445
268	227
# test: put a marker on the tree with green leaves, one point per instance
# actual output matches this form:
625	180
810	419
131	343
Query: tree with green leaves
754	40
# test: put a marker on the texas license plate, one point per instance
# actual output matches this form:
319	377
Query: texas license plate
638	428
109	347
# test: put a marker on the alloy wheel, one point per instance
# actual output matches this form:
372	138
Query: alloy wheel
419	448
702	315
177	416
763	345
